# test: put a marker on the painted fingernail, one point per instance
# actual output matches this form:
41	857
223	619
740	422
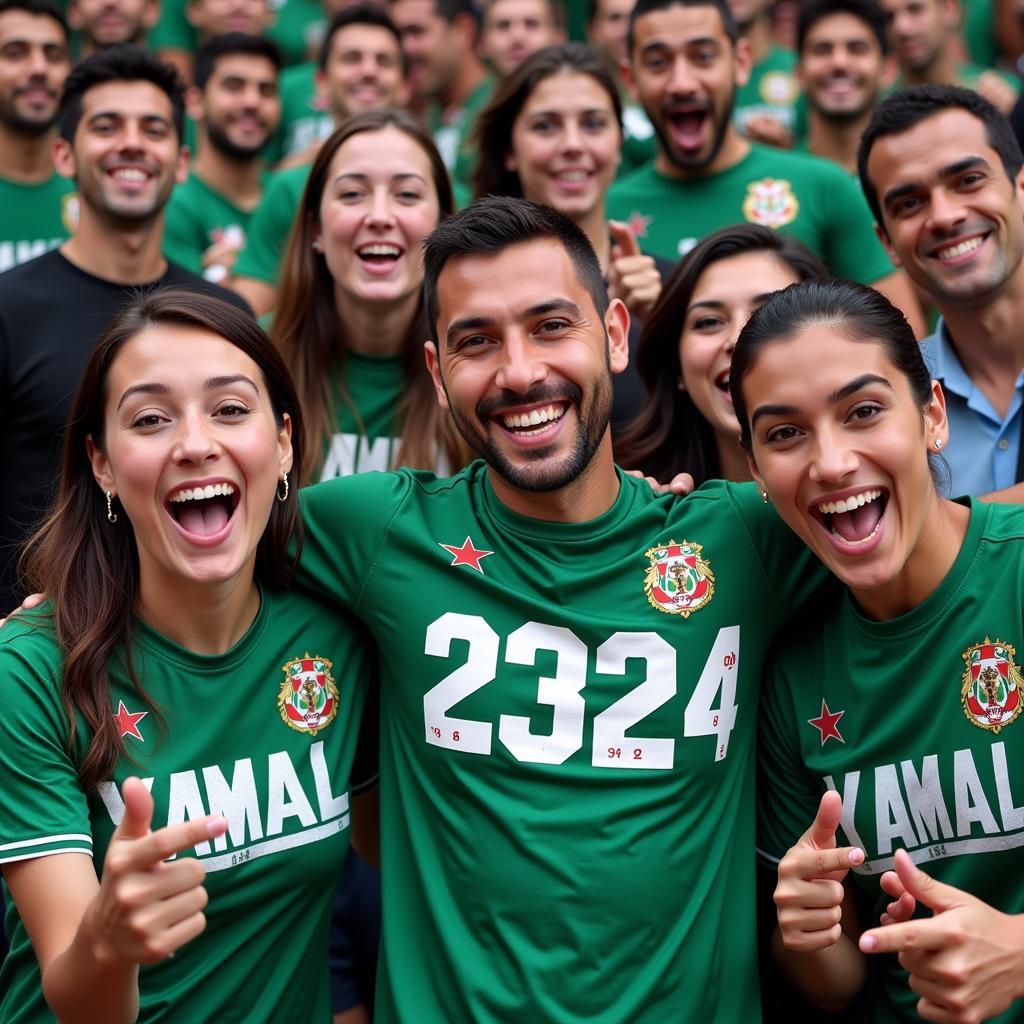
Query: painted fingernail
868	943
217	825
856	856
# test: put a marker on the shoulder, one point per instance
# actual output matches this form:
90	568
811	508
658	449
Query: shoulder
1004	525
179	277
29	646
34	277
805	166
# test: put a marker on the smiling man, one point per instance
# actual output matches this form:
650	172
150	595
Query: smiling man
567	720
686	62
120	127
941	170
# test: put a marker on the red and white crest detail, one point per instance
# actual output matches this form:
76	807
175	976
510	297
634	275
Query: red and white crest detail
678	581
990	693
770	202
308	699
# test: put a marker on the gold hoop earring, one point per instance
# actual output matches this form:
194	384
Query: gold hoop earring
284	480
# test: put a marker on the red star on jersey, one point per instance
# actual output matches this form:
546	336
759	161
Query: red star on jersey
639	224
468	554
128	721
827	723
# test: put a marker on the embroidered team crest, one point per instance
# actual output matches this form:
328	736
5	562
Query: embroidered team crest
990	694
308	700
678	581
779	87
69	207
770	202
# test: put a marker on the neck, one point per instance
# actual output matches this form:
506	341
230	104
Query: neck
114	253
590	495
732	150
238	180
376	328
26	159
836	140
759	34
988	340
201	618
929	563
732	463
471	72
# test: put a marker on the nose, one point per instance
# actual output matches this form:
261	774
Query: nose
37	64
380	213
683	82
521	365
368	67
944	212
833	458
572	138
194	441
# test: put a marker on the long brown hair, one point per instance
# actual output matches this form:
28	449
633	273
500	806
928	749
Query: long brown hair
90	567
669	435
305	325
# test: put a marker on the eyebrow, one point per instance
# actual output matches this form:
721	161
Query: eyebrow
118	115
836	396
721	304
473	323
910	187
394	177
212	384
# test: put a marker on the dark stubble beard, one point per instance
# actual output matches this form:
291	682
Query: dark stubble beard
11	119
593	424
667	145
219	140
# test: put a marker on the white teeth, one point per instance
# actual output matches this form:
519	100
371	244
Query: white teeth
960	249
831	508
380	250
573	176
533	418
201	493
129	174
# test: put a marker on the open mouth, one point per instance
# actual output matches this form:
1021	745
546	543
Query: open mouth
855	519
687	126
129	175
533	422
203	511
955	250
379	254
722	383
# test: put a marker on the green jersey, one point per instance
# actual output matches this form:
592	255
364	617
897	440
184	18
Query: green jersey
917	723
639	144
264	734
369	440
197	216
271	224
305	114
452	131
811	199
771	91
36	218
567	730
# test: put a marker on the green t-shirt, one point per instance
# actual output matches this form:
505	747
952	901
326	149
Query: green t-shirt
453	133
197	216
917	723
271	224
813	200
369	442
639	143
566	758
305	115
772	90
238	741
36	218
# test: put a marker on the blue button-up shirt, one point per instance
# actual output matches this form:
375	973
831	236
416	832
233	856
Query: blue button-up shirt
983	446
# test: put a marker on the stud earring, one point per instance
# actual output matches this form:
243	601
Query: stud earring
111	514
938	444
764	496
317	246
284	480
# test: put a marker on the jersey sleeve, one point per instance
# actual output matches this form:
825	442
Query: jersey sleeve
268	232
787	796
43	810
795	576
345	523
852	249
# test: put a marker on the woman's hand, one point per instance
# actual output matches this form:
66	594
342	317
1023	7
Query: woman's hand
28	604
681	483
966	962
147	906
809	893
632	276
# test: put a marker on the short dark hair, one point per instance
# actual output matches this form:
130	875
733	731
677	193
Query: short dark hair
489	227
647	6
126	63
231	44
493	130
868	11
45	8
907	108
357	14
857	312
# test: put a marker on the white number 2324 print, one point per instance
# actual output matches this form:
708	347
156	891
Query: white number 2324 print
612	748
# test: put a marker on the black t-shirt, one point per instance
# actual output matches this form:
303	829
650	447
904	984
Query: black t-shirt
51	314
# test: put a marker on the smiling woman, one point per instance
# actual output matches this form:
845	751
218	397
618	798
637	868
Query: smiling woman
165	558
912	665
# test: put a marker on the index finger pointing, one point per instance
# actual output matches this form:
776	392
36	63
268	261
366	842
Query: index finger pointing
173	839
895	938
624	238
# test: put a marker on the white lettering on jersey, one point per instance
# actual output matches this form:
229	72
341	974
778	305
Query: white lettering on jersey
111	797
851	784
563	692
354	453
23	250
1013	816
185	803
239	803
891	814
285	796
971	804
924	795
